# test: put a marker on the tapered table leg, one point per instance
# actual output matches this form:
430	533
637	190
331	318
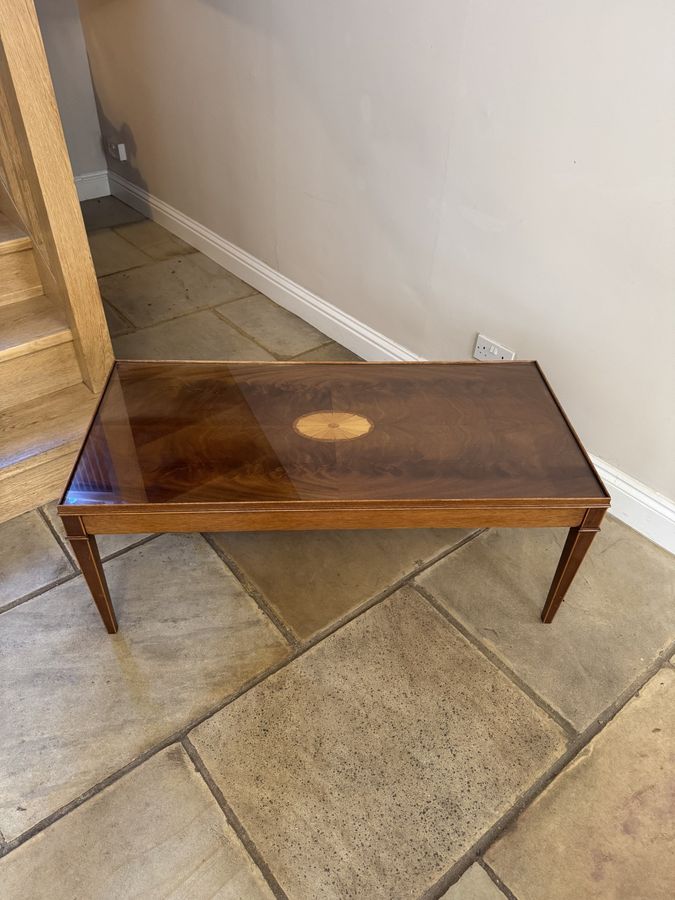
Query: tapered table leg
86	553
578	541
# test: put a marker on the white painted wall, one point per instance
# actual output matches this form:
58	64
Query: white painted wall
67	56
434	169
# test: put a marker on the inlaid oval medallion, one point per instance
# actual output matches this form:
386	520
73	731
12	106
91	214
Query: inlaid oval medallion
331	425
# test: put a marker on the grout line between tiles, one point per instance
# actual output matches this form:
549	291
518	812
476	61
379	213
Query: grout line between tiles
112	306
36	593
233	820
57	537
490	872
171	236
406	579
184	315
252	591
139	543
567	727
235	327
338	623
230	300
141	265
539	785
150	259
244	333
376	599
298	356
252	682
121	315
173	738
76	574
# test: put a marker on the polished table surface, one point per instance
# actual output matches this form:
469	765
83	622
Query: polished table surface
232	433
239	446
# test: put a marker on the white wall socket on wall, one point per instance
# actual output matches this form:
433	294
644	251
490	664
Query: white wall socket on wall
487	349
117	151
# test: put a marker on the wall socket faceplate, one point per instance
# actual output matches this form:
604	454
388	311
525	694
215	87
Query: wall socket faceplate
117	151
487	349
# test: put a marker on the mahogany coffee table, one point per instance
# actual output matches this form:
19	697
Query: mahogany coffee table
279	446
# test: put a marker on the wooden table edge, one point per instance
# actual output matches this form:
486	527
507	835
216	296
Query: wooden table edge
227	506
582	516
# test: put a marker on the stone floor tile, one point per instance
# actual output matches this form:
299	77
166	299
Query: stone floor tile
157	832
618	616
30	557
202	335
475	884
368	766
116	324
111	253
210	267
332	352
106	212
312	578
77	703
107	543
604	827
278	330
154	240
170	288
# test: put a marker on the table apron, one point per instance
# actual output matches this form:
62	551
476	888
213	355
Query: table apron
334	519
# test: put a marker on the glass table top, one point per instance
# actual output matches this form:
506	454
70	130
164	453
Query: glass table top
204	432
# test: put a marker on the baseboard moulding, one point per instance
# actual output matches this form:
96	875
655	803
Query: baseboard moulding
92	185
635	504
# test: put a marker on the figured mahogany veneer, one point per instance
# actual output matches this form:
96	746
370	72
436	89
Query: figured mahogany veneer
221	446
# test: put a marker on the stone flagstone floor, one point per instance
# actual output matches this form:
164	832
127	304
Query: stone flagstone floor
324	715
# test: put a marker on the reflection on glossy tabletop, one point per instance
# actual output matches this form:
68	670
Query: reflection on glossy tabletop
181	432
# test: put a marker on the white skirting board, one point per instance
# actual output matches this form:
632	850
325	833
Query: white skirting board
648	512
632	502
340	326
92	185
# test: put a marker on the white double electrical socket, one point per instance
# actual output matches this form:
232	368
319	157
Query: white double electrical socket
487	349
118	151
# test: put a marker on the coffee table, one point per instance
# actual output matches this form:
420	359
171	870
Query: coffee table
278	446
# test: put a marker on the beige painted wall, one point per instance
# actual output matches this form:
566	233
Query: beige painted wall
433	168
67	57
